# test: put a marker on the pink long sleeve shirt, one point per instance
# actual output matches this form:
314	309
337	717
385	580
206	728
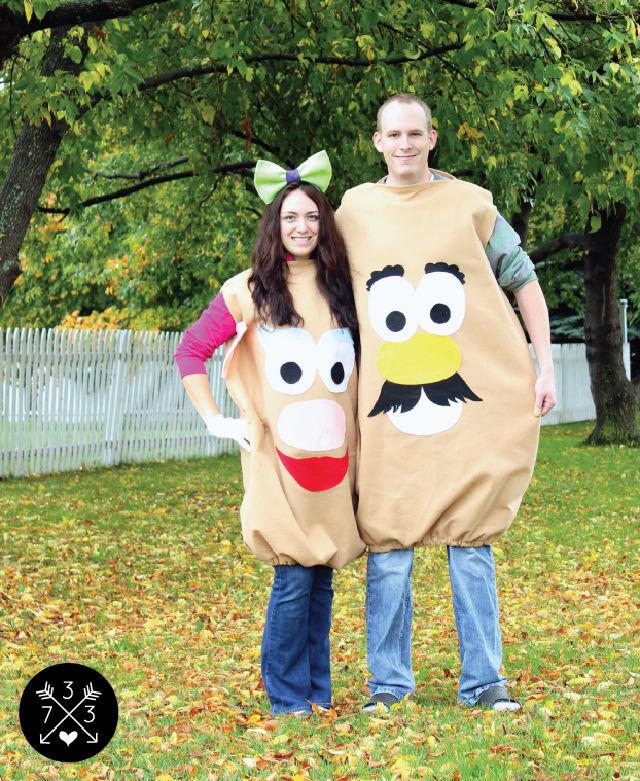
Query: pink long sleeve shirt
214	326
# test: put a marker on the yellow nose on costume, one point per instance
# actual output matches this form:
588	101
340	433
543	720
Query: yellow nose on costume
423	358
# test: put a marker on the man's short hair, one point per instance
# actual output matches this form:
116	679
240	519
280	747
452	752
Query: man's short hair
404	97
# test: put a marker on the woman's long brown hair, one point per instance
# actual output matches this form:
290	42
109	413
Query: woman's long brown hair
268	279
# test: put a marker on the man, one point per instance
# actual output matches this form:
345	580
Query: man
449	404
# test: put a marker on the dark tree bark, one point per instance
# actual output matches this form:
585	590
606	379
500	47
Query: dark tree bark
14	24
563	241
520	222
612	392
34	152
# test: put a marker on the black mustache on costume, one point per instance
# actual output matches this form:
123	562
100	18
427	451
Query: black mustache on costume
405	397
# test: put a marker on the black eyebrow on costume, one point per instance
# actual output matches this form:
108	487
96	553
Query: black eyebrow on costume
387	271
449	268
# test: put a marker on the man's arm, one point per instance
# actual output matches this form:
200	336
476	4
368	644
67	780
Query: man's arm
533	309
511	265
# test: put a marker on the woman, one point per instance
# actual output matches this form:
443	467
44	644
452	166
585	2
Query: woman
290	366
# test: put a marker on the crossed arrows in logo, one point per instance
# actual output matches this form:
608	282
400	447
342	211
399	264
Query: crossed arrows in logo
89	694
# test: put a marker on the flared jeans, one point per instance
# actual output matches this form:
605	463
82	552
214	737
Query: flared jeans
295	645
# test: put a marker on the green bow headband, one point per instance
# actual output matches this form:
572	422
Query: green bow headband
270	178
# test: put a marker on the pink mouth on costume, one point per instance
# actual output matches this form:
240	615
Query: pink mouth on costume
317	473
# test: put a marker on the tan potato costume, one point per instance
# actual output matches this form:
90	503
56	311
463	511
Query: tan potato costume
446	389
297	388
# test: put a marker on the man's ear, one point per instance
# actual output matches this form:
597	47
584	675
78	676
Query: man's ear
433	137
377	141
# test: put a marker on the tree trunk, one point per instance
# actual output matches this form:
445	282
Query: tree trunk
520	222
33	154
612	392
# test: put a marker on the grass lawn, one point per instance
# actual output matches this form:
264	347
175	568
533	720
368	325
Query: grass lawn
140	572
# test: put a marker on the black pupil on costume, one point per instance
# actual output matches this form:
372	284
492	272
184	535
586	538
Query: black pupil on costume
337	373
396	321
440	313
290	372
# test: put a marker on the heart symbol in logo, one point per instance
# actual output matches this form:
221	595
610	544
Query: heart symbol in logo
68	738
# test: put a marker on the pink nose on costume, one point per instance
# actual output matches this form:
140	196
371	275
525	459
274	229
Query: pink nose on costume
314	425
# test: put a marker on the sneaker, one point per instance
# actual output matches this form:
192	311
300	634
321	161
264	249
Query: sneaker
302	713
497	698
384	698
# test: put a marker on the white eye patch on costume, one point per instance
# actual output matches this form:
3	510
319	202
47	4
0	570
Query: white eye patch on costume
396	309
292	359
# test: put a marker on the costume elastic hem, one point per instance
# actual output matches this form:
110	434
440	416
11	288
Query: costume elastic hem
374	548
278	561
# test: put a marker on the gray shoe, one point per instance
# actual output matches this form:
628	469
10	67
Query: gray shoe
384	698
301	713
497	698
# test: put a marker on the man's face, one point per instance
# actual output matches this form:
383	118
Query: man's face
405	140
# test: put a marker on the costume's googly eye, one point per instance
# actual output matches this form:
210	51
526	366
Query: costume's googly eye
336	358
290	358
392	309
441	302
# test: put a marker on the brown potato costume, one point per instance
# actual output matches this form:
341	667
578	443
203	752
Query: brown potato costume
446	389
297	387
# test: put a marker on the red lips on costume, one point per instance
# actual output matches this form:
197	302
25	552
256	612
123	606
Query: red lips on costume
317	473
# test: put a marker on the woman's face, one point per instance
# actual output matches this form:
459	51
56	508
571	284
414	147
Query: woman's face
299	224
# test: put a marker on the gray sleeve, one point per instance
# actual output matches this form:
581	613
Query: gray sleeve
511	265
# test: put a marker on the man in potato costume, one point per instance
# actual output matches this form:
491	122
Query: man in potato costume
449	405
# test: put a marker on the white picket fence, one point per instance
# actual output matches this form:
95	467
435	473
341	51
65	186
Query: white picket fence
74	398
573	384
71	399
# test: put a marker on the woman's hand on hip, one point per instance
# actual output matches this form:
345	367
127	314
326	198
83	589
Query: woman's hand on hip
230	428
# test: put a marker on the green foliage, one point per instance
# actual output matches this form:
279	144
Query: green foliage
526	104
31	8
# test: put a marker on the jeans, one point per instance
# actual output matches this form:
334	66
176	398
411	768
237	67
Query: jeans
295	645
389	611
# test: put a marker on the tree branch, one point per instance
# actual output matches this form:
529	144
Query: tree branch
581	241
561	16
186	73
565	17
71	12
244	167
260	143
14	24
142	174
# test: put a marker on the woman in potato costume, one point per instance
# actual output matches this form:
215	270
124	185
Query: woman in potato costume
290	366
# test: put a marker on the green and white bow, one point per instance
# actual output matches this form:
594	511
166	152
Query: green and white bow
270	178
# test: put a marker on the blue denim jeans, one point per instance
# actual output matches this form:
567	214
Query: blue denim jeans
295	645
389	612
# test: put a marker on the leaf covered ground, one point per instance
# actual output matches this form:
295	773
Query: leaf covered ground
140	572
